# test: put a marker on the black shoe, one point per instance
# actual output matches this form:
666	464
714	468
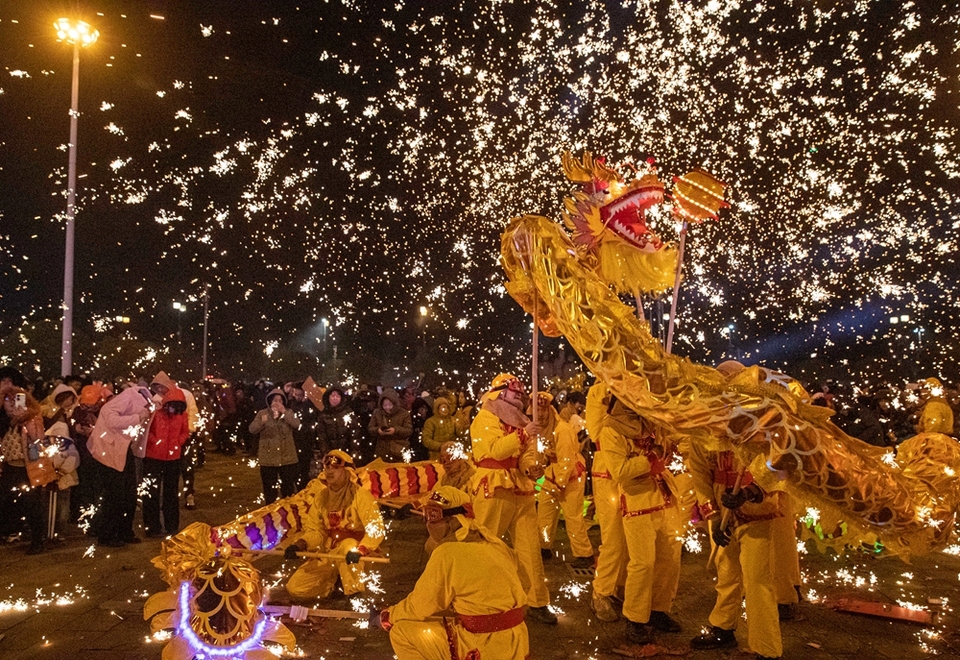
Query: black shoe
35	548
542	615
786	611
664	622
546	554
639	633
155	535
715	638
582	562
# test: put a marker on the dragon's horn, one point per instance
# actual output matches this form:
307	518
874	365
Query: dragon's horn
586	170
574	169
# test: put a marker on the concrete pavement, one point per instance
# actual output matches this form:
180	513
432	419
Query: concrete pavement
81	601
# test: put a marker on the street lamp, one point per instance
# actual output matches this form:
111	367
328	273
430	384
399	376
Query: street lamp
180	307
424	313
78	34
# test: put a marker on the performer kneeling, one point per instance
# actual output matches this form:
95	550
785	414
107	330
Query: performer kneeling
489	612
344	520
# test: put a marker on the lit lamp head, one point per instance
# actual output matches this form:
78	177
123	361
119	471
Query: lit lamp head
76	32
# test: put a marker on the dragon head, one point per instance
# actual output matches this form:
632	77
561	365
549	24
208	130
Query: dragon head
608	219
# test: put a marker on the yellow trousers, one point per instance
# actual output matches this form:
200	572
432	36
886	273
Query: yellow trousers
786	559
611	570
516	515
427	640
570	501
744	570
316	578
653	569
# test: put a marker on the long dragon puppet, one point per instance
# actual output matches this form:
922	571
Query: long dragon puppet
908	502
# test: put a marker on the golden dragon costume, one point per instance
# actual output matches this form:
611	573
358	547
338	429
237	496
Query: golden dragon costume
909	503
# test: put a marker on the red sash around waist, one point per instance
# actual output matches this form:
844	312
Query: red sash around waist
493	464
479	624
340	533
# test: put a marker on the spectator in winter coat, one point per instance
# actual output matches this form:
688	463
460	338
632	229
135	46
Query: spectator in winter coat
9	377
17	498
82	421
336	422
60	404
420	412
305	438
168	432
119	428
364	405
439	428
67	458
391	426
277	455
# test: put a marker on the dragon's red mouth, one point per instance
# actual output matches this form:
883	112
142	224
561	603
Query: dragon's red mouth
626	215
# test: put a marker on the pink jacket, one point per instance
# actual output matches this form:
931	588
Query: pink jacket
117	426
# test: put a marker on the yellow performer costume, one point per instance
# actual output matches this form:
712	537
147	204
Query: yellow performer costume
786	559
503	491
611	572
489	612
563	483
636	458
745	552
345	520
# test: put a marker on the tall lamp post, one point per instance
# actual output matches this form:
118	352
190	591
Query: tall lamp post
78	34
206	318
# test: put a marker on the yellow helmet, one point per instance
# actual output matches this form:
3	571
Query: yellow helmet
501	383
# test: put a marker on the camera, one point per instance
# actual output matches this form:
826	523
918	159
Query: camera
21	401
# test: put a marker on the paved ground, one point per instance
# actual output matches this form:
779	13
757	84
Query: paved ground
78	601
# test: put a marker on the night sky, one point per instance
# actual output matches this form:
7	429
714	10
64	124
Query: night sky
356	161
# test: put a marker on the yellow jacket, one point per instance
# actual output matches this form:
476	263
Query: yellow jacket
636	465
457	577
715	471
324	528
563	454
494	440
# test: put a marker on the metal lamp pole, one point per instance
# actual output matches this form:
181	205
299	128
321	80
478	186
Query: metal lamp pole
206	318
78	34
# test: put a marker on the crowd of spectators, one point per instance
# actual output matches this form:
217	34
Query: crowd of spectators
104	445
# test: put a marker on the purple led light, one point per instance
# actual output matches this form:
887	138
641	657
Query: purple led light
203	649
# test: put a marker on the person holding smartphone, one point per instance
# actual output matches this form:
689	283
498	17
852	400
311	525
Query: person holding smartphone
17	498
392	426
277	453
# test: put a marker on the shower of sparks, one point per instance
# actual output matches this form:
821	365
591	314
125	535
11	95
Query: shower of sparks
385	174
43	599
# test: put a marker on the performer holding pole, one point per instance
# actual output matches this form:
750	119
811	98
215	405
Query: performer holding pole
344	521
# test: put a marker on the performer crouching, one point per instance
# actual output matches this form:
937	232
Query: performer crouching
344	520
489	621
